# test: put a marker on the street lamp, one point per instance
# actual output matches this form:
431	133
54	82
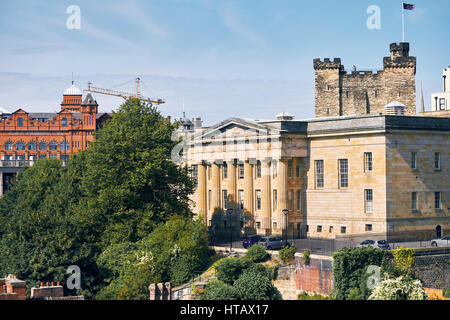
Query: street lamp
286	212
230	211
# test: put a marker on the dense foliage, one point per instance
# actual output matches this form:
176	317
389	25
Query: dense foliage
241	279
401	288
107	199
350	268
287	253
257	253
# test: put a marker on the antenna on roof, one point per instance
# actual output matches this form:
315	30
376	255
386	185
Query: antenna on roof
184	114
72	77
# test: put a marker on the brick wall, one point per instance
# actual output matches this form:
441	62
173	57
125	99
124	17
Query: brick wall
316	277
433	270
12	288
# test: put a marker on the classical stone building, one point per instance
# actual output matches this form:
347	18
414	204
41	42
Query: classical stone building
365	167
355	176
440	101
338	93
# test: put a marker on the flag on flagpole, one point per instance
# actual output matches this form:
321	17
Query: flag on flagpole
407	6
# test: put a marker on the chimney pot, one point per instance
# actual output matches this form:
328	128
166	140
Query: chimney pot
42	284
57	283
53	284
46	284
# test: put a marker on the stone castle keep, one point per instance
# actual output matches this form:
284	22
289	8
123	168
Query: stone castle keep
338	93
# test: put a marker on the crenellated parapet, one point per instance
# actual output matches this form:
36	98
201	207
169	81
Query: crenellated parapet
328	64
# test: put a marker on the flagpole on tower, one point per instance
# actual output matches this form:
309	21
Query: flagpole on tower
403	22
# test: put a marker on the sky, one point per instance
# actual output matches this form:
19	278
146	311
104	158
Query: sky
223	58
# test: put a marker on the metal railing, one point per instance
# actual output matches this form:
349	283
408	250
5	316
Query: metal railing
20	163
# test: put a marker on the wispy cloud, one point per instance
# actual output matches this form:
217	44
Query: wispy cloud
103	35
232	19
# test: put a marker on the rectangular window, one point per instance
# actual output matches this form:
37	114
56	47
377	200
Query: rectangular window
319	173
414	201
225	199
319	228
258	169
368	162
291	200
241	199
195	174
297	171
343	173
368	227
275	200
437	160
437	200
290	169
209	172
258	199
275	226
331	229
258	225
442	104
225	170
368	203
413	160
299	200
241	171
343	229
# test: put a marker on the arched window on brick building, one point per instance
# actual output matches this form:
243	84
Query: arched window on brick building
8	145
42	145
65	146
20	145
19	122
53	145
31	145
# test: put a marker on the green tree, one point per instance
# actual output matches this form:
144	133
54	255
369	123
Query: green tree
229	269
287	253
218	290
404	260
255	285
257	253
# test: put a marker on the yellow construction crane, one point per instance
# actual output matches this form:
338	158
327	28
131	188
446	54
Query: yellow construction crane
124	95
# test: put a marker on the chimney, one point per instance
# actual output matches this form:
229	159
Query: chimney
198	123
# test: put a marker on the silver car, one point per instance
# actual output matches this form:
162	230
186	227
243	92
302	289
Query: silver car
442	242
378	244
272	242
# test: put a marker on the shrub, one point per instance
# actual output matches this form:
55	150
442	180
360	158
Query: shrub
447	293
229	269
218	290
257	253
401	288
350	266
254	285
404	260
315	296
306	259
288	253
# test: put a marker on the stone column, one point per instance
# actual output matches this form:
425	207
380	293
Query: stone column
282	185
201	192
266	197
231	185
215	177
248	188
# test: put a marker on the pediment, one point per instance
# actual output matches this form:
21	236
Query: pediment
234	127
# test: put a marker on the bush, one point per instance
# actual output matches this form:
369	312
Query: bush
403	260
218	290
254	285
257	253
447	293
287	254
350	266
229	269
306	259
315	296
401	288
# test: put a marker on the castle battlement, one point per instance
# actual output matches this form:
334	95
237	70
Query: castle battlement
328	64
360	92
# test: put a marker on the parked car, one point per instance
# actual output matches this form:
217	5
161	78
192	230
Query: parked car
251	240
378	244
272	242
442	242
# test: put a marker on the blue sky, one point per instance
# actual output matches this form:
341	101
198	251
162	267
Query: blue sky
242	58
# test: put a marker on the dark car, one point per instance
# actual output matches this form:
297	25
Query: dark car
251	240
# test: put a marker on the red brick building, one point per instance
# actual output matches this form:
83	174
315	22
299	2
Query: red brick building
26	137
